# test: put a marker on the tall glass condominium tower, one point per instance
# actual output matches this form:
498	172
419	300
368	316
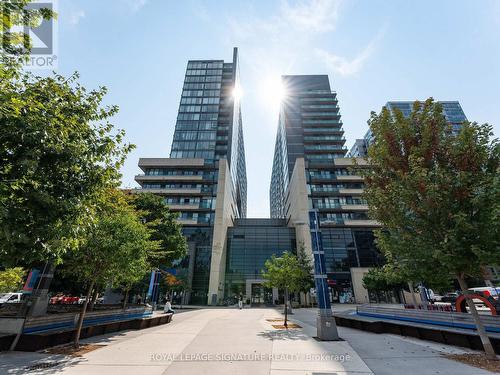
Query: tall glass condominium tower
311	174
209	122
309	127
204	180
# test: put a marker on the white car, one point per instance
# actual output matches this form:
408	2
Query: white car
487	291
10	298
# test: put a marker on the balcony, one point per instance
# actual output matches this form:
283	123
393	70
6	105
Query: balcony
361	223
345	191
151	177
165	191
354	207
354	178
183	207
187	221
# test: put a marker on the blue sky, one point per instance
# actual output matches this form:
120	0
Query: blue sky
374	51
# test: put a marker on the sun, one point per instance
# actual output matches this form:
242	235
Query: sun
237	92
273	91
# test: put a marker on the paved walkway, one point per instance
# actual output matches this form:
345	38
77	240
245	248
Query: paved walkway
396	355
211	341
231	341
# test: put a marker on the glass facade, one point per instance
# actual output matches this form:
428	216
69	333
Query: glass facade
310	127
208	130
452	111
249	244
209	124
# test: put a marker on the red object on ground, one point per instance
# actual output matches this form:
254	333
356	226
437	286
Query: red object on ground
460	304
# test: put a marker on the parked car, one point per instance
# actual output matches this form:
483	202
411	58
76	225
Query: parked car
10	298
61	299
450	297
486	291
438	298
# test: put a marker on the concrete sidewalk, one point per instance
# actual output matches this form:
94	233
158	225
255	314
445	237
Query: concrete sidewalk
395	355
211	341
231	341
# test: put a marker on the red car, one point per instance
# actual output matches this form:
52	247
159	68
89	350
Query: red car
63	300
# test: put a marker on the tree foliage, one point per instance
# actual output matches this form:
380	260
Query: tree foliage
284	272
305	262
382	279
115	250
436	194
58	153
11	279
165	229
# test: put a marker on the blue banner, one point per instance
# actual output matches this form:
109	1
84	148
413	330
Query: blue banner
320	278
151	284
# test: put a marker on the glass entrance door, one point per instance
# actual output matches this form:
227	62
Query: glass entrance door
257	294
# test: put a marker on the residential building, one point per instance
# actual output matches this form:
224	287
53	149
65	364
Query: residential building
250	242
311	172
204	180
452	111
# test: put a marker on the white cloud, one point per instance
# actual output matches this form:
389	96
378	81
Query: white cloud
76	16
302	20
314	15
349	67
136	5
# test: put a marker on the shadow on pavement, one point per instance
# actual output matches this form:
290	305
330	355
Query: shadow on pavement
17	363
284	334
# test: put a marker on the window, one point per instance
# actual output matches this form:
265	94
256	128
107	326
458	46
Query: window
189	108
209	108
207	136
210	101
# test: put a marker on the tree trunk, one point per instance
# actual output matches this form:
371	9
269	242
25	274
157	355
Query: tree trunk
82	316
125	299
412	293
485	340
93	299
286	308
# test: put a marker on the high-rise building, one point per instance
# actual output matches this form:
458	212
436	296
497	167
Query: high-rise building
204	180
452	112
309	127
311	173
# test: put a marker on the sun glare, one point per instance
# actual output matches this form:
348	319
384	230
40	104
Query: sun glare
237	92
273	91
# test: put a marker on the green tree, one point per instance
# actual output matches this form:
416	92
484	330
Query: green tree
305	263
115	251
11	279
285	273
165	228
436	194
58	153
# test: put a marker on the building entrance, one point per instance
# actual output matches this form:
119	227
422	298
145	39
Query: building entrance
261	295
